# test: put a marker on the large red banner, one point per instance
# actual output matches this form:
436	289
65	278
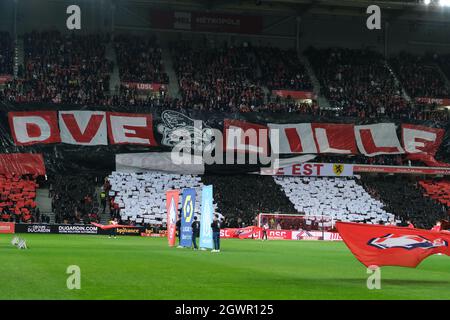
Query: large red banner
317	138
99	128
22	163
172	197
81	128
377	245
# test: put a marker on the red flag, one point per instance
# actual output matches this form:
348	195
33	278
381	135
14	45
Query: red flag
172	197
243	233
110	226
377	245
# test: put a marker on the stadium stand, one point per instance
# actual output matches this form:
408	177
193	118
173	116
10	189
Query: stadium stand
140	198
438	190
282	69
62	69
217	78
404	197
17	199
6	54
73	198
139	59
242	198
358	83
341	198
420	76
231	78
444	63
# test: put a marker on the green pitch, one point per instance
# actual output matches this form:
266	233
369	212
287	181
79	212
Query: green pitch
146	268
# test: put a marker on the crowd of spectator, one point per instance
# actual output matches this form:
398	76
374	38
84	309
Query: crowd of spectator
241	198
222	78
73	69
437	189
17	199
140	60
403	196
358	83
74	198
420	76
6	54
282	69
62	69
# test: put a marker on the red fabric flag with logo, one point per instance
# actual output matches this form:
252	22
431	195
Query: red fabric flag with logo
243	233
377	245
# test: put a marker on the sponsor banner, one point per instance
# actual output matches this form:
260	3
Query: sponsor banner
172	197
377	245
7	227
279	234
206	21
206	218
437	101
5	78
296	95
77	229
187	216
152	87
153	235
84	229
312	170
361	168
128	231
315	235
35	228
22	163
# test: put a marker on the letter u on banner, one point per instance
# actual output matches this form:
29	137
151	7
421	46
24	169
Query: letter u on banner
206	240
187	217
172	197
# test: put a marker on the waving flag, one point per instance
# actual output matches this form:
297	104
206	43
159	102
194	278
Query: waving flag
110	226
243	233
392	246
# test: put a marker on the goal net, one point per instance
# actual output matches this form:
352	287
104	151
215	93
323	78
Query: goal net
296	222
